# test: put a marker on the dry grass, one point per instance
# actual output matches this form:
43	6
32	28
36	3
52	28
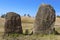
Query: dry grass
27	19
27	23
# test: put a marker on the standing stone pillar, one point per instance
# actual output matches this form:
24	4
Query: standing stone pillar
13	23
45	19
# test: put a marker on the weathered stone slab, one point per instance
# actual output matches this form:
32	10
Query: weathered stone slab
45	19
13	23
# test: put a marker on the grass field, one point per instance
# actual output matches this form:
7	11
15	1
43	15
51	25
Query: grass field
27	23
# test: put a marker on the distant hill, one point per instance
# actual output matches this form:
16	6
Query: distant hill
30	20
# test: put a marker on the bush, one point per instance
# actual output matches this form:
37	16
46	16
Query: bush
58	16
3	16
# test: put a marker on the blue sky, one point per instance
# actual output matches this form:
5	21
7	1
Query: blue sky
26	6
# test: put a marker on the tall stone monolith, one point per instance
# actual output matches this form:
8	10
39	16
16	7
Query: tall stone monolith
44	20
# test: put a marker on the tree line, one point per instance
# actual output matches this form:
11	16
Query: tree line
28	15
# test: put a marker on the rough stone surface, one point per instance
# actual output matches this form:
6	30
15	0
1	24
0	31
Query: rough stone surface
13	23
45	19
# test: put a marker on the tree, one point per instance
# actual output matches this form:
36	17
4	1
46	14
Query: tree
28	15
24	14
